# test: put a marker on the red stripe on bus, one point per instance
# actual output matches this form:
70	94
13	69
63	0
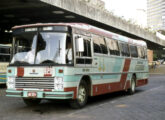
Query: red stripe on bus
108	88
20	71
114	87
126	65
74	89
128	85
47	75
141	82
124	75
117	86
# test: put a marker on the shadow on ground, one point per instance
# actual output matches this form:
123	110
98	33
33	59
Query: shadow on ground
58	106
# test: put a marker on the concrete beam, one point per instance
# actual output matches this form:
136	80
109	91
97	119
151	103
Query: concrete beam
82	9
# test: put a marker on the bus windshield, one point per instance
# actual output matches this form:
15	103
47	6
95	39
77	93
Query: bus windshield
39	48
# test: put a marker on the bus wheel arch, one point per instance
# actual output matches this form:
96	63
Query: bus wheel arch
88	81
134	75
83	92
131	90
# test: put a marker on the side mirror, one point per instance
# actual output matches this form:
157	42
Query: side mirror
79	44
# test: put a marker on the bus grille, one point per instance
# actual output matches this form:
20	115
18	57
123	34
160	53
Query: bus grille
35	83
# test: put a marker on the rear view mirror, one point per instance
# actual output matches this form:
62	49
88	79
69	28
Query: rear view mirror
79	44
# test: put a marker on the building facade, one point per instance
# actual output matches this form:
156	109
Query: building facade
156	14
95	3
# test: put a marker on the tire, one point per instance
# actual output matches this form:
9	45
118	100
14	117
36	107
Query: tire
31	102
82	97
131	90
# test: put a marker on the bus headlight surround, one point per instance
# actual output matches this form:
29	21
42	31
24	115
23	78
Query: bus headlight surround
11	82
58	83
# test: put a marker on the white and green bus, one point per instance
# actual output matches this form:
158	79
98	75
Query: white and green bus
73	61
4	61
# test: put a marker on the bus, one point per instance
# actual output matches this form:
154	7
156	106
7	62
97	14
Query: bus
73	61
4	61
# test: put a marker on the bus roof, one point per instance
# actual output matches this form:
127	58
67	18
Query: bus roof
89	28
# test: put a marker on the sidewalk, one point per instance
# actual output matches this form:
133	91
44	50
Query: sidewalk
160	69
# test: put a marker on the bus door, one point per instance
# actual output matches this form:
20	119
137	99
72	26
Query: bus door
100	53
83	54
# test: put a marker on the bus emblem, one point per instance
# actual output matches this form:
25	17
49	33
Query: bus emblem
33	71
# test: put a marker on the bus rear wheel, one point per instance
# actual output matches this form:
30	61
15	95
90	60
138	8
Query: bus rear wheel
31	102
82	96
131	90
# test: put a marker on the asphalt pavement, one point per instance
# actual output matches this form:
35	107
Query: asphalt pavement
148	103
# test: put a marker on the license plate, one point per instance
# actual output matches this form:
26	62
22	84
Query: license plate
32	94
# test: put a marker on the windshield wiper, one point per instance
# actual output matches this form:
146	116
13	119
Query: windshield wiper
47	61
20	63
59	47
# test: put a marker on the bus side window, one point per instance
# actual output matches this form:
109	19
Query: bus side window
87	48
99	45
103	46
96	45
85	58
141	52
113	47
145	50
5	54
125	49
133	50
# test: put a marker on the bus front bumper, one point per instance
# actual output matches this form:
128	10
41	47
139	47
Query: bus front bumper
40	94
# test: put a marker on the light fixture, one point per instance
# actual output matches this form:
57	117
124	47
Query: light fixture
9	15
4	21
58	12
25	19
70	16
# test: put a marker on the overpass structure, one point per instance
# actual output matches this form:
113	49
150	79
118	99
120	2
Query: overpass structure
17	12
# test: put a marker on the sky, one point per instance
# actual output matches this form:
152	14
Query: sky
125	8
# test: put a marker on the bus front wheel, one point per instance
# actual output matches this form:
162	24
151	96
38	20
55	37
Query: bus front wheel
82	96
31	102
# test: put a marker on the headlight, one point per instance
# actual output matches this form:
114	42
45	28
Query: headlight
58	80
11	82
11	79
58	87
58	83
10	86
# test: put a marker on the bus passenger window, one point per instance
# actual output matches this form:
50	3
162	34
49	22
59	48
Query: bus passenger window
103	46
87	48
125	49
141	52
145	51
96	45
113	47
4	54
133	50
99	45
85	57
